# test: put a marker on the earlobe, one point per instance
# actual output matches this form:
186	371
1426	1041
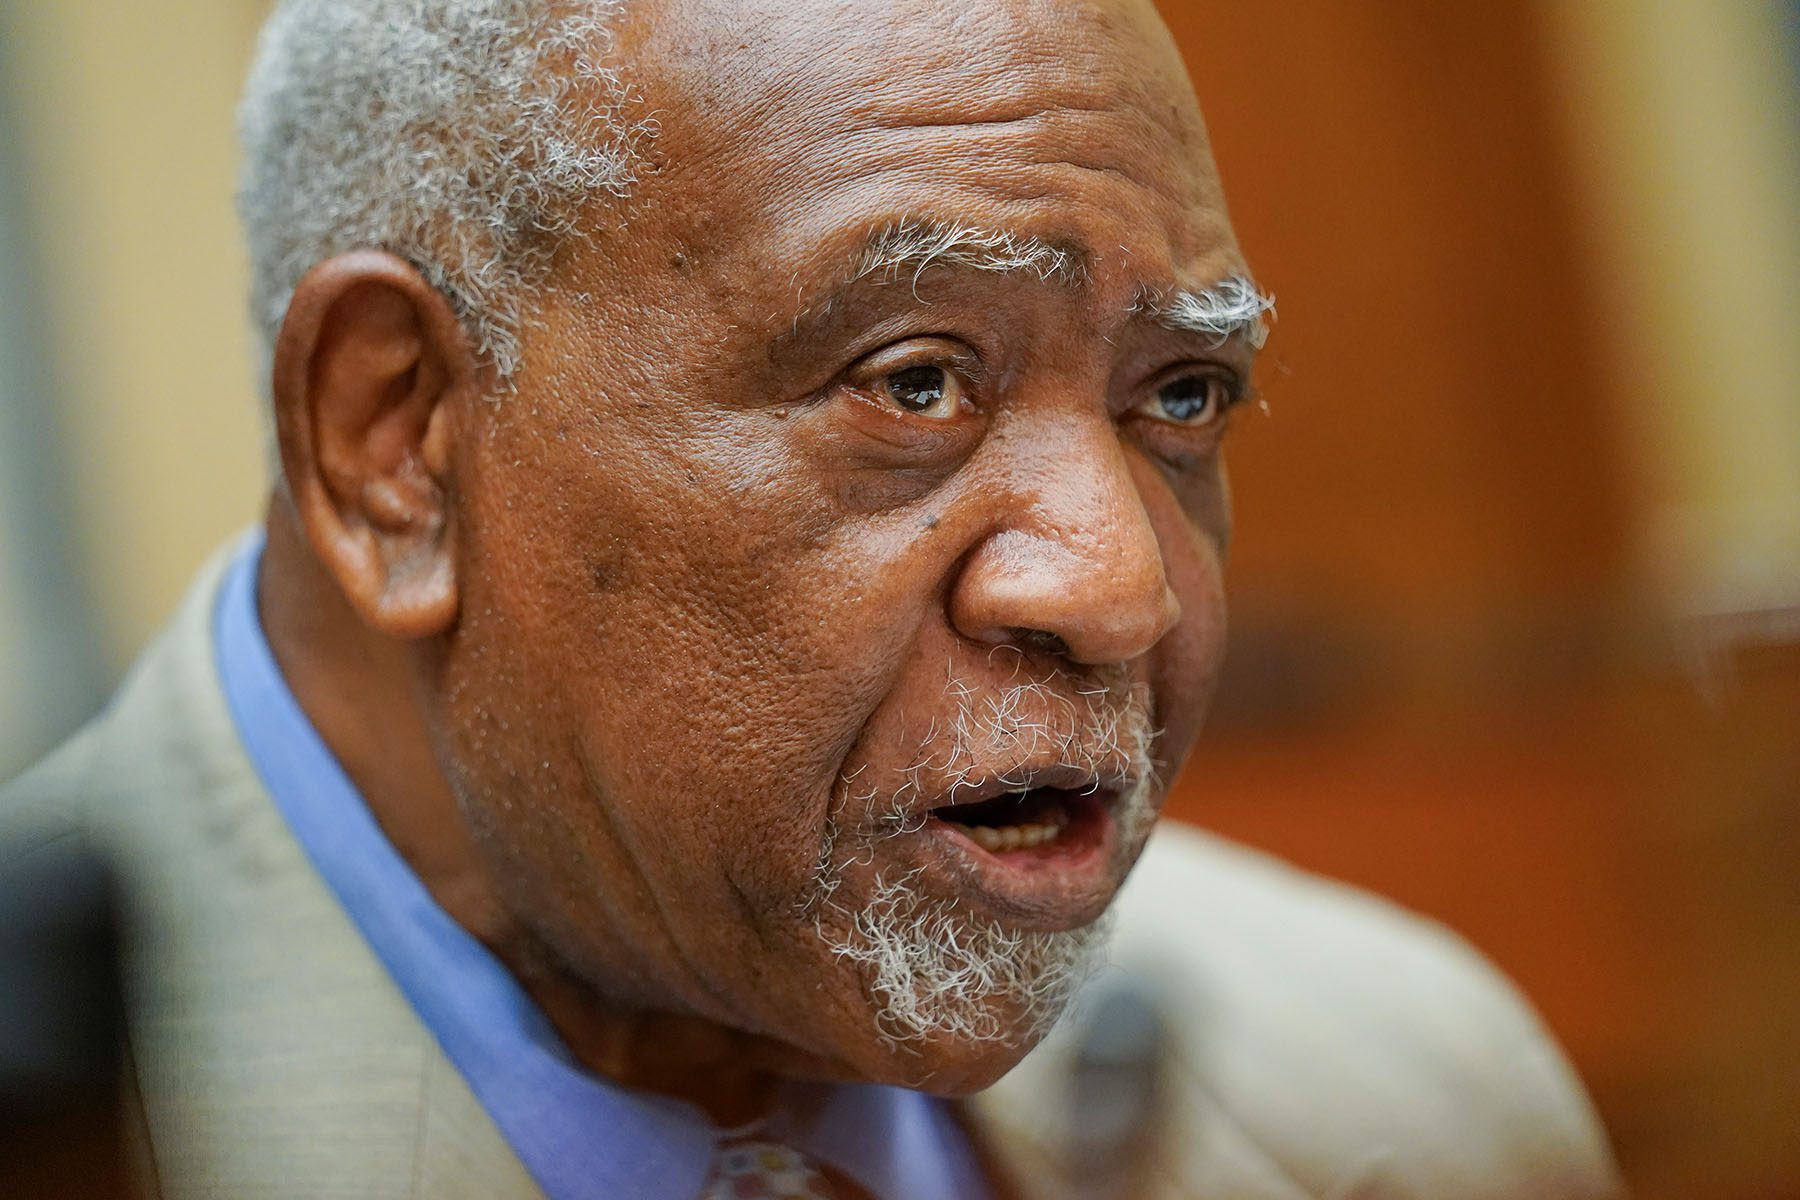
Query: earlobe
369	367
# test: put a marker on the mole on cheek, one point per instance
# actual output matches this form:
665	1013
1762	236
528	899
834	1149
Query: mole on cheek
606	568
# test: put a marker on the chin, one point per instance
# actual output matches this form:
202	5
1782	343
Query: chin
940	995
954	1069
950	1006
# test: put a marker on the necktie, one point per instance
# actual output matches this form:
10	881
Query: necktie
750	1169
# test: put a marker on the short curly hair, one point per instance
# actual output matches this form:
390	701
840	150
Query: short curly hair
462	135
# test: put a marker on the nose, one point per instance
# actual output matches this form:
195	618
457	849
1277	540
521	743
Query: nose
1076	567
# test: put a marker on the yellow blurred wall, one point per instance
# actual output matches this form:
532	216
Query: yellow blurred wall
1684	134
126	111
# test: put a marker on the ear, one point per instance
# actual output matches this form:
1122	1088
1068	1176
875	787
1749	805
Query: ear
368	365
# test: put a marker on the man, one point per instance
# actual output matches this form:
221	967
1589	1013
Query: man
744	569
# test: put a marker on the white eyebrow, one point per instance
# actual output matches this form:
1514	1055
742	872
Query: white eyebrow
915	244
1233	306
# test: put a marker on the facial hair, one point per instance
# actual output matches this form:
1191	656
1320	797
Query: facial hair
933	969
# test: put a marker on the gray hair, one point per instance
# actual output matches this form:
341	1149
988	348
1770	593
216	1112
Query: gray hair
906	249
933	967
1232	307
914	244
461	135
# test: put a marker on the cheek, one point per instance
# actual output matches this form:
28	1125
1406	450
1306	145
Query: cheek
1186	662
700	636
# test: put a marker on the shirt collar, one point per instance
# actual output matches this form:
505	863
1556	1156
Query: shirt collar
579	1136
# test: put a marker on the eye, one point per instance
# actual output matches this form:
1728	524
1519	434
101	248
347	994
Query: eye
1194	401
929	391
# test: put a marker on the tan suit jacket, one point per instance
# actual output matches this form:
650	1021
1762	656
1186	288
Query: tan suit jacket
1331	1046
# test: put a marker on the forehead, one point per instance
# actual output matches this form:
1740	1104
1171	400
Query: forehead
930	53
789	128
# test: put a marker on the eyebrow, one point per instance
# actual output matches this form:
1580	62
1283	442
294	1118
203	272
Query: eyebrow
1232	307
915	244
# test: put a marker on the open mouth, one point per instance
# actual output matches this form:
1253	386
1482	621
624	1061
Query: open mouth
1041	820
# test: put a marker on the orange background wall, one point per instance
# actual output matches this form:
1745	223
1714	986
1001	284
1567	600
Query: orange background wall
1451	680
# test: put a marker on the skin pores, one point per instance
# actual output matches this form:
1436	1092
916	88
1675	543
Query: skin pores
726	594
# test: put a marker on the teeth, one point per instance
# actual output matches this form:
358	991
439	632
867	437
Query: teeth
1014	837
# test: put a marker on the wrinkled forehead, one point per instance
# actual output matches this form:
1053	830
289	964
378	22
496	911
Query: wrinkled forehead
1037	115
735	56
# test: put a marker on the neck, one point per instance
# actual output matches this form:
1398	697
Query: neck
362	691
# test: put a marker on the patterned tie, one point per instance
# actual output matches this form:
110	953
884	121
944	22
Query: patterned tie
749	1169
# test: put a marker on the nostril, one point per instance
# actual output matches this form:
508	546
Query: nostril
1041	639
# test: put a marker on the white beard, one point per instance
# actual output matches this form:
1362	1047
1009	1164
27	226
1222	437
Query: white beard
936	972
934	969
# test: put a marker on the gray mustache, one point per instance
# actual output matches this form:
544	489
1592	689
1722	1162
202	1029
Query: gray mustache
1098	726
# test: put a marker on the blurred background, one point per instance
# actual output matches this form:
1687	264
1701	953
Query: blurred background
1517	577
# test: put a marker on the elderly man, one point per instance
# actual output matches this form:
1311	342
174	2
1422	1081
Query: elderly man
744	568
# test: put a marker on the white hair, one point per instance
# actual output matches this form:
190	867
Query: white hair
916	243
938	971
933	967
461	135
1233	306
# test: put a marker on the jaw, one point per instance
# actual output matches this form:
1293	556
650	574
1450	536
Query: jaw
940	994
942	1062
964	903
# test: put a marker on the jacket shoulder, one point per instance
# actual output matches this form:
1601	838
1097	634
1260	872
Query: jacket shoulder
55	800
273	1053
1358	1043
168	707
1331	1043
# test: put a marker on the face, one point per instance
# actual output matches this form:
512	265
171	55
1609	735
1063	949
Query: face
834	614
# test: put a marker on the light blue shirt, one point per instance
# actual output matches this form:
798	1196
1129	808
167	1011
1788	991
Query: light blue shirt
580	1137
